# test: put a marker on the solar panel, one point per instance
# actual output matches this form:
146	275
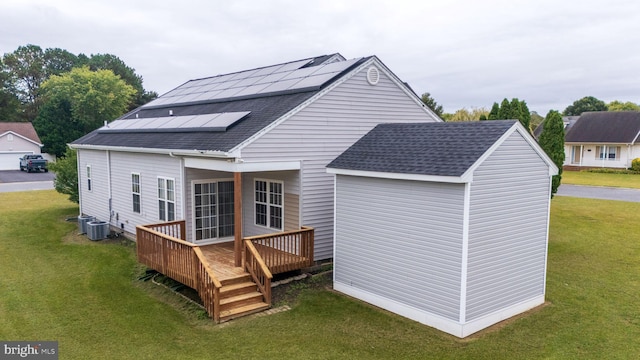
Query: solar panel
187	123
282	77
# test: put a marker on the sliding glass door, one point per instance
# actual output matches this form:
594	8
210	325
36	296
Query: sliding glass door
213	210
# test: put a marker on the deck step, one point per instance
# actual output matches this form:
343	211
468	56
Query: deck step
238	289
245	310
236	280
240	300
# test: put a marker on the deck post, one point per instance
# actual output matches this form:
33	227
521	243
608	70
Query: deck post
237	213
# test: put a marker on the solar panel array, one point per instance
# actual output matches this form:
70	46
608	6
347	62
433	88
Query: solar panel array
206	122
272	79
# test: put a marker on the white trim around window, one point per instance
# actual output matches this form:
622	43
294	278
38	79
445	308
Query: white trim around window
268	210
136	191
608	152
88	173
166	199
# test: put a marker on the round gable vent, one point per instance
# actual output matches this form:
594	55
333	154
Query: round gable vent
373	75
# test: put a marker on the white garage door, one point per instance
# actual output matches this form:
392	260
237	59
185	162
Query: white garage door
11	161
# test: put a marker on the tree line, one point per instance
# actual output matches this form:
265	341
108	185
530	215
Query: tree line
66	95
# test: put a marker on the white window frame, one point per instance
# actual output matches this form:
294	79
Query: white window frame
88	173
218	211
604	152
166	198
135	193
270	205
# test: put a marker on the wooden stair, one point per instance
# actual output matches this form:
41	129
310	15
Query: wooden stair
239	296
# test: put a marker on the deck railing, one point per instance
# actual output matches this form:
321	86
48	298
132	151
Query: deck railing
179	260
259	271
285	251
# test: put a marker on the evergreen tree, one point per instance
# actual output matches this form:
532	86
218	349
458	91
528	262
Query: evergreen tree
552	141
516	111
428	100
493	114
505	110
526	115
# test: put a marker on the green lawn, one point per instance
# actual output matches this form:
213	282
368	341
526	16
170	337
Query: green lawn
601	179
86	296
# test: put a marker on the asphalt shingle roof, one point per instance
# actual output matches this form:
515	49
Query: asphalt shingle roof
23	128
619	127
264	108
442	149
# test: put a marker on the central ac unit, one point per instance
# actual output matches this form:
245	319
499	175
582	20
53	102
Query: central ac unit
82	223
97	230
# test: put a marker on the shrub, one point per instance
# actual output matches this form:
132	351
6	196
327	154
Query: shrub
635	165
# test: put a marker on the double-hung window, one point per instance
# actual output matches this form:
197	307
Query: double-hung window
89	177
166	199
608	152
135	192
269	199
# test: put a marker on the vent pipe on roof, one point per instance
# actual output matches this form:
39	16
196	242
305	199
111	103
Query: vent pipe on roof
170	112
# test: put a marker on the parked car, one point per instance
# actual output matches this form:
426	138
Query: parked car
33	163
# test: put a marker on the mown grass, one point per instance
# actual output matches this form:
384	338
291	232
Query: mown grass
86	296
601	179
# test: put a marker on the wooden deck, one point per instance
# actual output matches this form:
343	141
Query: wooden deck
226	290
221	259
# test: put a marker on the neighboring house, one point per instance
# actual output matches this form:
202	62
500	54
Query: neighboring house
16	140
568	122
603	139
240	155
444	223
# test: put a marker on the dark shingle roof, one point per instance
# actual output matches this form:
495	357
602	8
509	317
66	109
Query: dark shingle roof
264	111
265	108
442	149
22	128
620	127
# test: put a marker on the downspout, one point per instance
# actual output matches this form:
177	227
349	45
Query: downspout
581	154
183	188
79	181
109	190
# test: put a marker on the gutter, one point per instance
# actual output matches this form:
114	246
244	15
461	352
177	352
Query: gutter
170	152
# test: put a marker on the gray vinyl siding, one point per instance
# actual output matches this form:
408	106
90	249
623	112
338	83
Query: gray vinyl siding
291	181
94	202
322	131
149	166
507	229
401	240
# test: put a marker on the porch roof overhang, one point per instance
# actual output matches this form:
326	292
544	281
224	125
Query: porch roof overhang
232	165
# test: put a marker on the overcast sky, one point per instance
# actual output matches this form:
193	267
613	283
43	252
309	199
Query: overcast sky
466	53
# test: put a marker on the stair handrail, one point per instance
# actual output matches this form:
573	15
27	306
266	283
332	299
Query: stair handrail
255	265
205	272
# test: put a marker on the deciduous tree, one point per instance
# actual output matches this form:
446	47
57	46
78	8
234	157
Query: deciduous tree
78	102
623	106
587	103
552	141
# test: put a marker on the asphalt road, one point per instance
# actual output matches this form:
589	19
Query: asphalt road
599	192
16	180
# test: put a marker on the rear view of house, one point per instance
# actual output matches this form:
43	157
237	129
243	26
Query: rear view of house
444	223
238	156
603	139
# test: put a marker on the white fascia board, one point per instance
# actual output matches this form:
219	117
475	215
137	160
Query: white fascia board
404	87
398	176
232	166
22	137
553	169
635	139
352	73
171	152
